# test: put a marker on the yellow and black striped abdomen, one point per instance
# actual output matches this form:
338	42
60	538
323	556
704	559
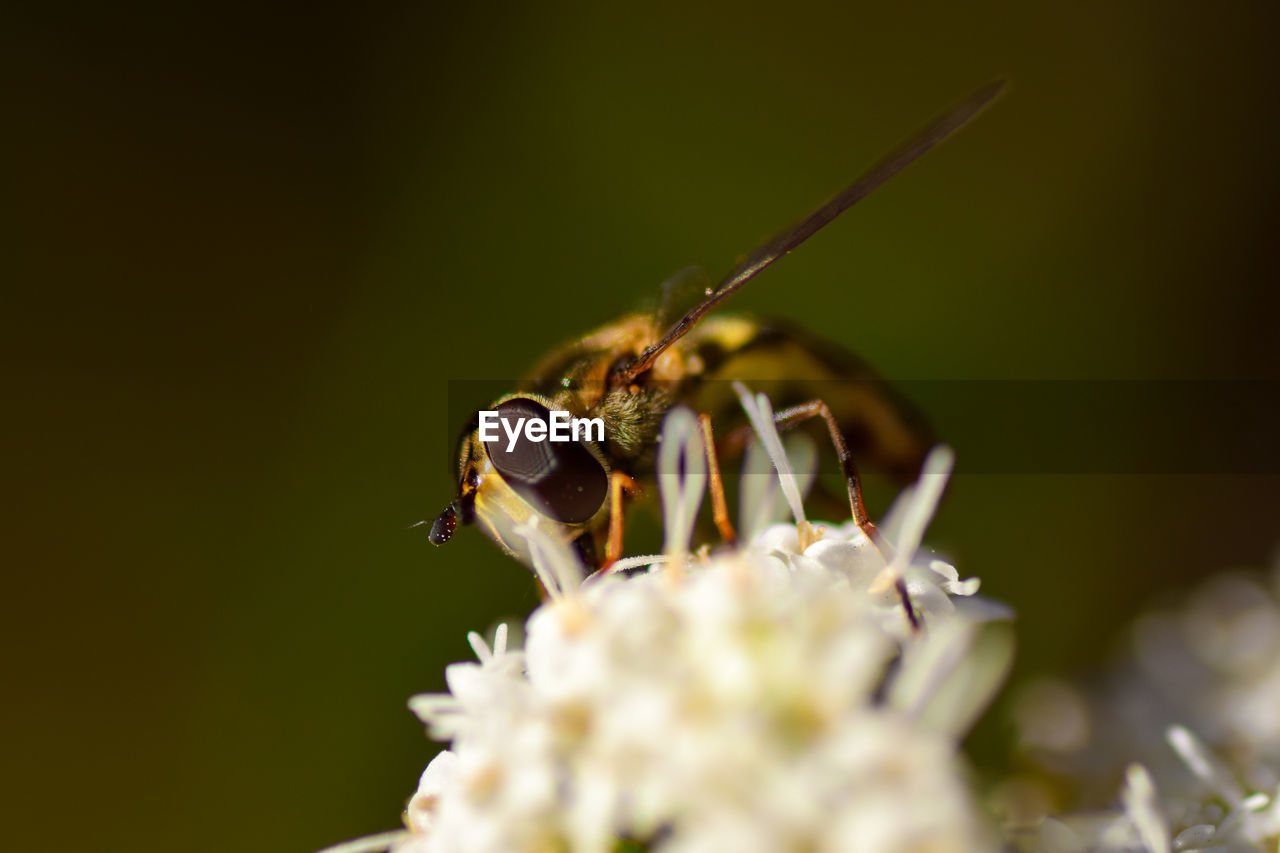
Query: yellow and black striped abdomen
885	432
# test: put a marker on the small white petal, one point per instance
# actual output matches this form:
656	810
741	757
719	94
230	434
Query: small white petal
760	413
557	567
682	477
438	776
1143	808
1194	837
922	503
1198	759
479	646
760	494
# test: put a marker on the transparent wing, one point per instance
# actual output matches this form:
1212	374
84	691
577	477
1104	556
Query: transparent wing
682	293
763	257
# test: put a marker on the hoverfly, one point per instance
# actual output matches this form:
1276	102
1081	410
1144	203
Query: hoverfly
631	372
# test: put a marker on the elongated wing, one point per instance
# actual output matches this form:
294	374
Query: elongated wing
682	293
763	257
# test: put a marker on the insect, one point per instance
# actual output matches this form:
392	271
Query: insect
631	372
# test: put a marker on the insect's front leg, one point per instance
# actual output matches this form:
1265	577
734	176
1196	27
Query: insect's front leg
719	505
619	483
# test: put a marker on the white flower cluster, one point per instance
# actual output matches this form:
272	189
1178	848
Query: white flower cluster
1211	667
1218	818
775	697
782	696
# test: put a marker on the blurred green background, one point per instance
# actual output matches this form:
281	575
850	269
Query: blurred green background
250	244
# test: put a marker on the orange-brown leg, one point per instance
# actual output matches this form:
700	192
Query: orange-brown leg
719	506
618	484
788	418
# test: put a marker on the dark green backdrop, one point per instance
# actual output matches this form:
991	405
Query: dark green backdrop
251	244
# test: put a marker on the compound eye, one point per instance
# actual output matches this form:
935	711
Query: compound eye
560	478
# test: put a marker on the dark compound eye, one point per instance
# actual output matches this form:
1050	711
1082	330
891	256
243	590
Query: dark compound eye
561	478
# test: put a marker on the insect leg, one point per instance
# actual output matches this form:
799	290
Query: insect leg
795	415
719	506
788	418
618	483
